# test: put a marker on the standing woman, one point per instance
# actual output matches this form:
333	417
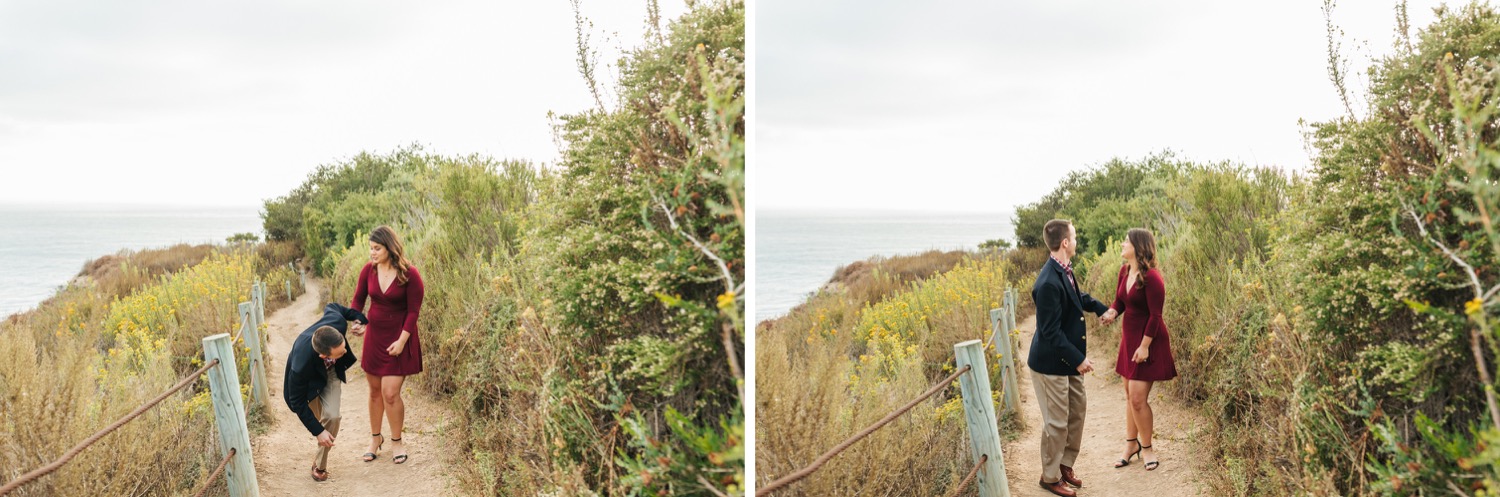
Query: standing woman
392	351
1145	348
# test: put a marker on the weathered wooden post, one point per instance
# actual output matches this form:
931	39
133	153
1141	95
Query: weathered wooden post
251	335
979	414
1007	351
288	290
229	415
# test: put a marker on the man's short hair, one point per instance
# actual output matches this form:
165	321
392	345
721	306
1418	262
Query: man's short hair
325	339
1055	232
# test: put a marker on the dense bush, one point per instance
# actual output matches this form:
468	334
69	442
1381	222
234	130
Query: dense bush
587	320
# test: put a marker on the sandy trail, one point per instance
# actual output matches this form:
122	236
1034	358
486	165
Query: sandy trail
1177	430
283	455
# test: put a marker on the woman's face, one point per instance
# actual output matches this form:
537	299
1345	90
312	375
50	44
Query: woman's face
1127	250
378	253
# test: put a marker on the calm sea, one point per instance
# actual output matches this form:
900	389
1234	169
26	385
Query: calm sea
44	246
797	252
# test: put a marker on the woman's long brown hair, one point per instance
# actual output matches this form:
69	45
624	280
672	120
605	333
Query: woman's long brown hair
1145	252
394	252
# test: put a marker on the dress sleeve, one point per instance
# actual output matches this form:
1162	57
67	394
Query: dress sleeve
361	289
1156	295
414	291
1119	305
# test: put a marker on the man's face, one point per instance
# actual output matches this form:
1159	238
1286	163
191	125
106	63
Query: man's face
336	353
1071	243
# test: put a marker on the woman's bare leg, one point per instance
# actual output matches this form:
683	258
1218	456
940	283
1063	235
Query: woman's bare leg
377	409
1131	431
1140	393
395	409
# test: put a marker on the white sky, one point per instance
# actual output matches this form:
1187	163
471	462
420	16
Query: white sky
214	103
983	105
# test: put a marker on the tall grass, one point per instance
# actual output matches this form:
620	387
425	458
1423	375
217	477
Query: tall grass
87	356
839	363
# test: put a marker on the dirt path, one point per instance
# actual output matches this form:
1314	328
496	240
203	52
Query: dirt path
1104	438
284	454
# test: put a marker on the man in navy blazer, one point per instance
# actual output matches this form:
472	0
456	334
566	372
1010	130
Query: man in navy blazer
1058	357
320	355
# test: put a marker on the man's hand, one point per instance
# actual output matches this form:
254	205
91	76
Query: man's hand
1087	367
357	329
1109	317
325	439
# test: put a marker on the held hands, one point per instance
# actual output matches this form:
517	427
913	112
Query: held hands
1109	317
357	329
325	439
1087	367
1141	354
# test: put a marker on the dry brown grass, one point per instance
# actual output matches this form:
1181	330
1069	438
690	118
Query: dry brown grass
60	382
808	397
119	274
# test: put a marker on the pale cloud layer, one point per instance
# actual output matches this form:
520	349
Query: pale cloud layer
177	102
980	106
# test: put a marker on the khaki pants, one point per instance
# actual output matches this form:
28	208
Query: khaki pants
1063	405
326	409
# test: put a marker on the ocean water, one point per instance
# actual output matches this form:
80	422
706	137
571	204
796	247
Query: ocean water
42	247
797	252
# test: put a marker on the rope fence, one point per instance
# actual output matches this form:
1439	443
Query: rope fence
823	459
217	472
229	411
71	453
978	403
969	480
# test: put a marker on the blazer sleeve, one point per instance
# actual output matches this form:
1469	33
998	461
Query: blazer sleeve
1156	295
361	289
1091	305
414	291
353	315
297	393
1049	302
1119	305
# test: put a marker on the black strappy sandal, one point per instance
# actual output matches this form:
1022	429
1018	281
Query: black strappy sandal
1150	465
371	456
1126	461
400	458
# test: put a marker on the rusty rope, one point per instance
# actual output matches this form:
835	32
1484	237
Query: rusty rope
968	480
823	459
244	325
215	476
28	477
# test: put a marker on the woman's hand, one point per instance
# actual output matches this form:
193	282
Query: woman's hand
1141	354
396	348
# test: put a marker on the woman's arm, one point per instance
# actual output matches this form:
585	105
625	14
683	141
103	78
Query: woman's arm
361	290
414	292
1119	305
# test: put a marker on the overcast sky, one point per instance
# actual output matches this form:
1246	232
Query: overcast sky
215	103
982	105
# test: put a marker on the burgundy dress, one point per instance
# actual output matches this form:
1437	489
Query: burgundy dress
391	310
1140	316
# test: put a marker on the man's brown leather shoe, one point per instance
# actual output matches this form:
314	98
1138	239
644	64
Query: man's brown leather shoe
1070	478
1058	488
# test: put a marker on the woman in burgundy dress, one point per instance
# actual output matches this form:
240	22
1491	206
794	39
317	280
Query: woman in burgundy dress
391	351
1145	348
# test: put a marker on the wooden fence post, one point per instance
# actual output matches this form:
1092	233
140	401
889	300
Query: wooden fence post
1007	352
251	335
229	415
979	414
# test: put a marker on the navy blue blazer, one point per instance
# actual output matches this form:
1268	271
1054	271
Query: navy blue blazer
1057	347
304	369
